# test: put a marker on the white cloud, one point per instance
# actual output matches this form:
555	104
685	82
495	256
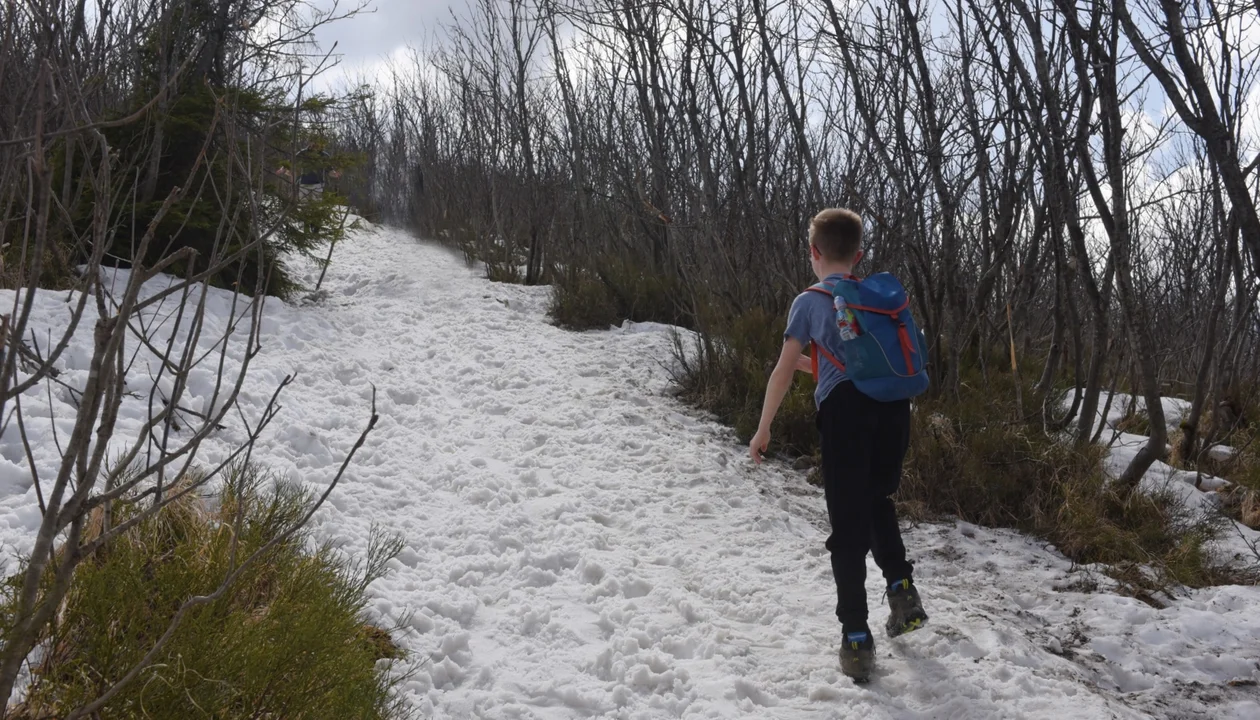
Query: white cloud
384	29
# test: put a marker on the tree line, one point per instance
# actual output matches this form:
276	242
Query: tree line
1070	183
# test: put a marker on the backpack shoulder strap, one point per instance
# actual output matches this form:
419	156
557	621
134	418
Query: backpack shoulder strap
818	349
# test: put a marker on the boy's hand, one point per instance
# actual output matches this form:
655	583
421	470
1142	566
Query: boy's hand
805	364
758	446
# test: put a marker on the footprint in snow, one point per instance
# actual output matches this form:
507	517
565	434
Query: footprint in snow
745	690
702	510
592	572
355	288
636	589
403	397
346	375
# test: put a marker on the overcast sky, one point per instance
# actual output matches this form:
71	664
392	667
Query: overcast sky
383	28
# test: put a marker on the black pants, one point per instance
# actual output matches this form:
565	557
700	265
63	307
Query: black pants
863	445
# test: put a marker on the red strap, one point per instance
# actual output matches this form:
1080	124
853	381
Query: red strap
892	313
820	349
906	348
826	289
822	289
817	349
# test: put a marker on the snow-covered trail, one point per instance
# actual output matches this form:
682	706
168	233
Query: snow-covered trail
579	544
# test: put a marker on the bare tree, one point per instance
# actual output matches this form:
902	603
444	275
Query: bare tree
1096	55
1211	26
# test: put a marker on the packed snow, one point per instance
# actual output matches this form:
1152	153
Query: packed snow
580	544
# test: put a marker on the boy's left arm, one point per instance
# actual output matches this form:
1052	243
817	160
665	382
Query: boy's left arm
776	389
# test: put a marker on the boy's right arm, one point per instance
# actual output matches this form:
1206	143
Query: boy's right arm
805	364
780	381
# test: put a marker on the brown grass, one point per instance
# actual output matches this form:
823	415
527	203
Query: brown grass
978	458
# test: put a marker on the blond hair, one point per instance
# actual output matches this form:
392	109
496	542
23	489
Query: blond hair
837	233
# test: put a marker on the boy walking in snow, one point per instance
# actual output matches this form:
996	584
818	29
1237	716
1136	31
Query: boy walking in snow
863	439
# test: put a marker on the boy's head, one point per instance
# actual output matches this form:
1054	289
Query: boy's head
836	235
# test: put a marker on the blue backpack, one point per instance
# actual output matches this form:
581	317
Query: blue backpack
884	349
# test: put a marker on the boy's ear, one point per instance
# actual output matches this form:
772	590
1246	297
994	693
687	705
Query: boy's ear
858	257
815	252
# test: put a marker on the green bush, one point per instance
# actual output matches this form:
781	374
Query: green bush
219	224
204	138
619	290
286	640
57	267
583	303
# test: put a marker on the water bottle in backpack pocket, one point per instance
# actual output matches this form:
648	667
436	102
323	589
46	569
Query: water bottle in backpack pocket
885	352
845	320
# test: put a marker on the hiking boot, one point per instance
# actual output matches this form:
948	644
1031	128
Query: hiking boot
906	608
857	656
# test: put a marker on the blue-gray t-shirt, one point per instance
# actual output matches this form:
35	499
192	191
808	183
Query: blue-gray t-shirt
813	318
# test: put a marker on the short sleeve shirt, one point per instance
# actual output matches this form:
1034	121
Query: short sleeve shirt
813	319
